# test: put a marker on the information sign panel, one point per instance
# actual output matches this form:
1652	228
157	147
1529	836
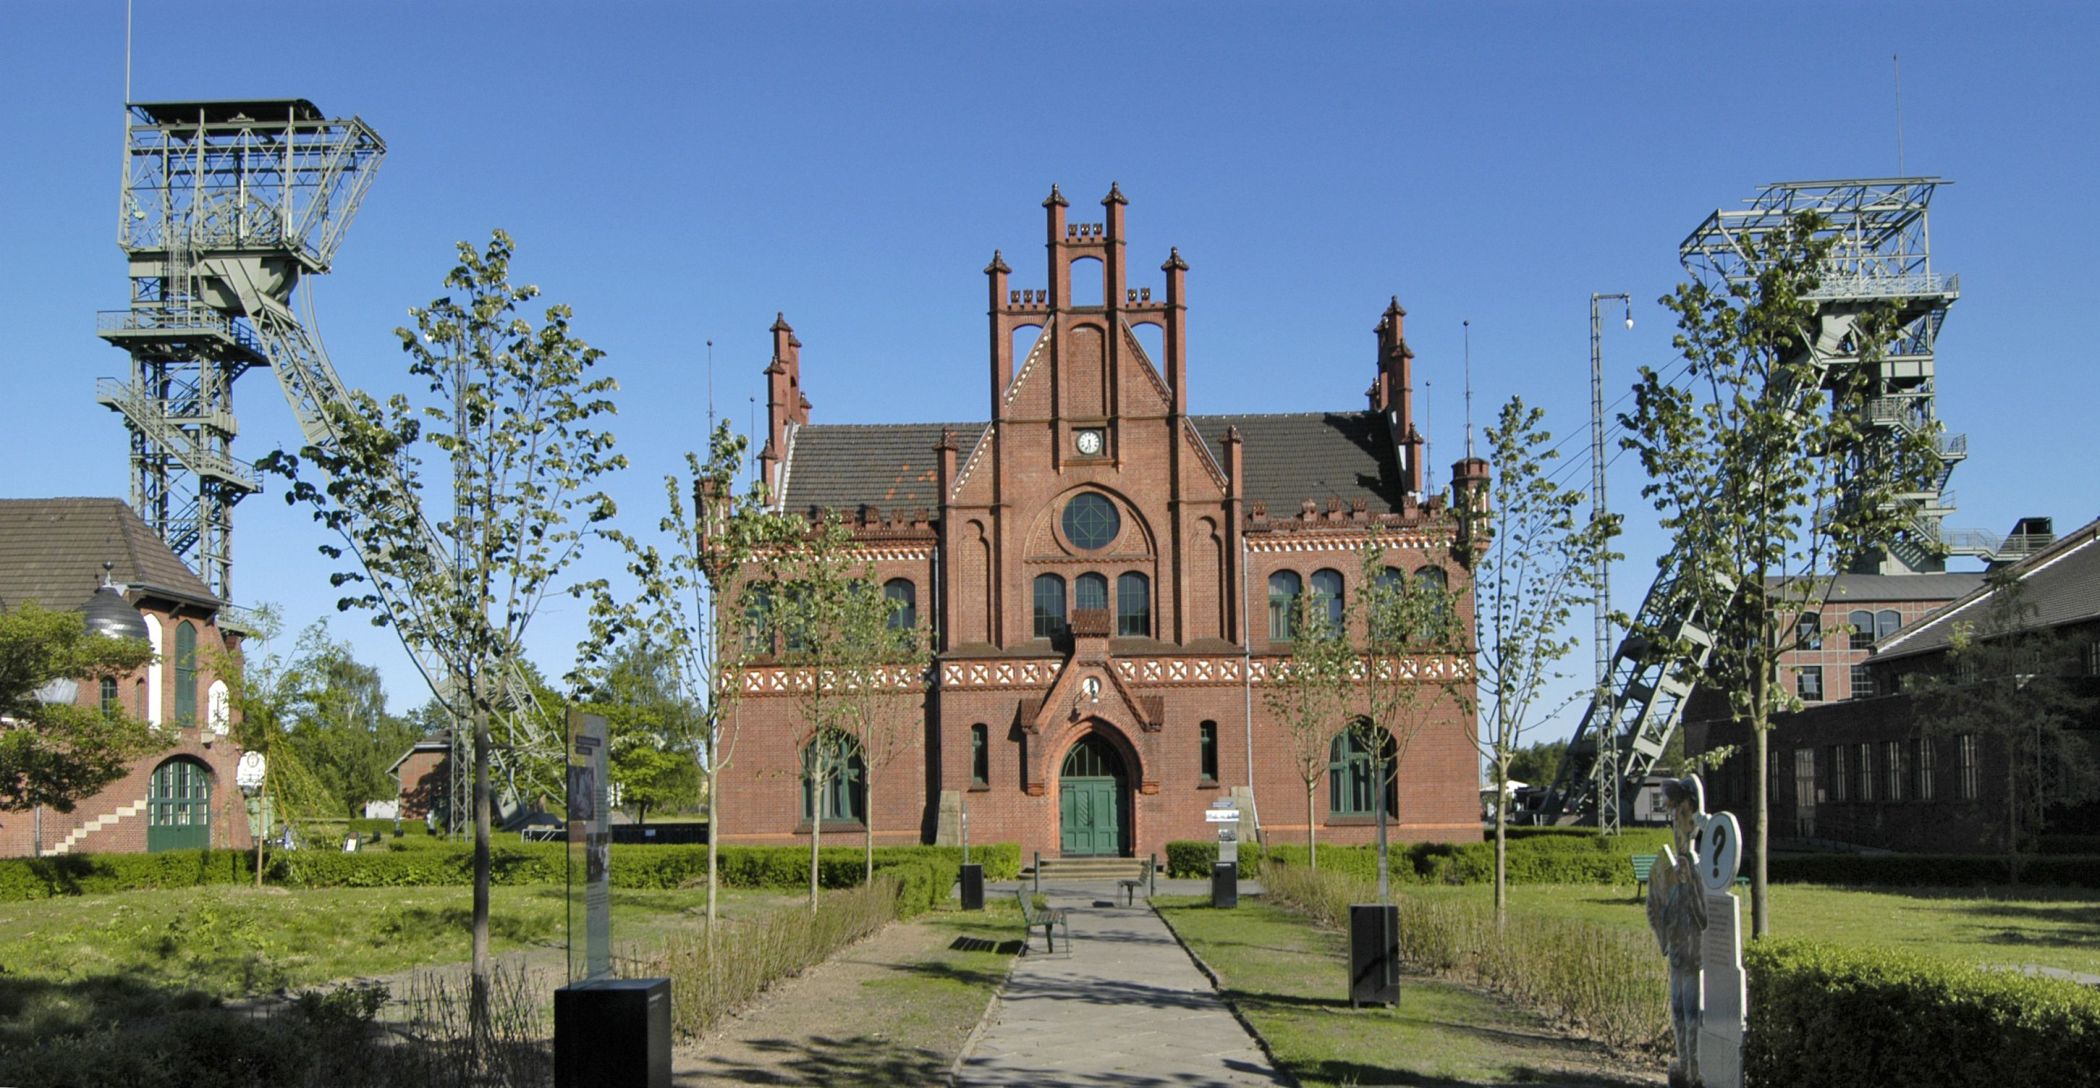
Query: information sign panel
590	850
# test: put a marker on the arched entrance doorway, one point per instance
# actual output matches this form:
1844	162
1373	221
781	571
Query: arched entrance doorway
1093	806
178	804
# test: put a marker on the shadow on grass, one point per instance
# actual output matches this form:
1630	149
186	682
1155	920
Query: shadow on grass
1348	1072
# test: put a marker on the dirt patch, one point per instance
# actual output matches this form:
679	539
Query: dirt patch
894	1009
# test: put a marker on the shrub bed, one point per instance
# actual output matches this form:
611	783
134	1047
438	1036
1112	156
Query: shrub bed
95	874
1560	856
1600	981
1842	1017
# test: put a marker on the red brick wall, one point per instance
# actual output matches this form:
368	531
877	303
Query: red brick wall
116	818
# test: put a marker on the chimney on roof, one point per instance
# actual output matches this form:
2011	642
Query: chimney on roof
785	403
1392	394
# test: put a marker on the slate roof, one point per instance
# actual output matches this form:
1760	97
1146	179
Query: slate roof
52	551
1892	588
2061	583
1288	458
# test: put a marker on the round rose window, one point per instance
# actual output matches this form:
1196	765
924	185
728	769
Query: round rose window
1091	521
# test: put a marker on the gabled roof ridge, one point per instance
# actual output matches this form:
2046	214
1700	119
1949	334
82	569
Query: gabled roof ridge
2063	548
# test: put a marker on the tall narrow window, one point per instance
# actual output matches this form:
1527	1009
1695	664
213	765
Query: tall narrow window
1772	765
1352	775
1049	606
904	603
1133	605
1894	772
1327	599
1090	593
1862	624
1386	585
1434	580
1207	751
1284	587
109	695
1971	769
186	673
758	619
980	755
1808	631
1863	772
1862	682
1921	769
844	782
1840	780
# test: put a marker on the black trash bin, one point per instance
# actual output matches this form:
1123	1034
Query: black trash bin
1374	954
1224	884
973	886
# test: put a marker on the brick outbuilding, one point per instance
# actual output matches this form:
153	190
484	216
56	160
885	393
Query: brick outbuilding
1107	579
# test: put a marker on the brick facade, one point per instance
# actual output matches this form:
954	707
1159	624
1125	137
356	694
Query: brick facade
1192	516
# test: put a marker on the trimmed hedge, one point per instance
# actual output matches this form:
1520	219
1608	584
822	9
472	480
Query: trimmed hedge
438	863
1556	858
1934	870
1844	1017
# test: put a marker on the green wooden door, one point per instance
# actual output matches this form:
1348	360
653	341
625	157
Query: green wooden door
178	807
1090	793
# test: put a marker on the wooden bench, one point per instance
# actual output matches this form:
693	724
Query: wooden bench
1048	918
1130	885
1643	864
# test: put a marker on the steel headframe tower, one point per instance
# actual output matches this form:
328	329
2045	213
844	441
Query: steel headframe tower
225	206
1882	258
1608	801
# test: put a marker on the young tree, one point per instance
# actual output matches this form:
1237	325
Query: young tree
2023	687
514	412
879	665
1309	694
1761	465
678	609
56	753
1537	566
1414	654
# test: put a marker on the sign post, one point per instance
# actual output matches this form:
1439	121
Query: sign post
250	774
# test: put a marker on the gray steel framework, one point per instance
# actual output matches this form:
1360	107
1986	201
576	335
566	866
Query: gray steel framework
225	206
1882	257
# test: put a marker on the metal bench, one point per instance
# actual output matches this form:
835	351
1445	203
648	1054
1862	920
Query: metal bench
1049	918
1643	864
1130	885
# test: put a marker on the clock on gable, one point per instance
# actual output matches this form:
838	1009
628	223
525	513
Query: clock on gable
1089	442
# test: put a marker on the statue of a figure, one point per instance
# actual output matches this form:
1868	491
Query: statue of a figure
1677	914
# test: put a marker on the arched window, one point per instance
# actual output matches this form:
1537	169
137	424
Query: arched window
1886	622
1352	775
1090	593
1862	623
758	618
1327	599
1049	606
1133	605
186	673
1436	585
151	706
1808	631
1284	587
980	755
1382	606
109	695
845	775
904	609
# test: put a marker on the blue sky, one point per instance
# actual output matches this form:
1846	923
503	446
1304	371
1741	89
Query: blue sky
680	172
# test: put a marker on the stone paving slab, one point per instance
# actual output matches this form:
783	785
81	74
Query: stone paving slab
1120	1004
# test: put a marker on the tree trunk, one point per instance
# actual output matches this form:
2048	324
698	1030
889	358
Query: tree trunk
1385	876
1501	837
1760	821
867	826
1312	844
478	997
2012	809
816	829
714	823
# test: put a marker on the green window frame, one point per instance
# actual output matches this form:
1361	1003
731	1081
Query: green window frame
1352	776
1133	605
1049	605
1327	598
110	703
1284	588
1207	751
179	794
1090	593
186	673
845	797
904	611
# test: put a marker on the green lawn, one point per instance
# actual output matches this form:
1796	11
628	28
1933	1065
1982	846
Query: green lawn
2049	927
72	962
1290	979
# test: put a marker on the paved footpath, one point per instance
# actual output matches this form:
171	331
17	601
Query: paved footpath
1121	1004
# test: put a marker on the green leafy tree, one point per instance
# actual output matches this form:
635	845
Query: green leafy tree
1309	695
1413	665
514	413
1763	468
54	754
2024	688
1538	761
651	732
1536	567
334	716
678	610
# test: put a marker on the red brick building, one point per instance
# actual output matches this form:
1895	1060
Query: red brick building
53	554
1108	581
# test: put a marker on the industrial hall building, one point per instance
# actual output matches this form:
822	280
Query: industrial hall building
1109	582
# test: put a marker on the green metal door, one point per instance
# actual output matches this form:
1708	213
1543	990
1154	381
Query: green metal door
178	806
1090	792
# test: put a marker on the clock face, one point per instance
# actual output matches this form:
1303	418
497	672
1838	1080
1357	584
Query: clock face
1089	443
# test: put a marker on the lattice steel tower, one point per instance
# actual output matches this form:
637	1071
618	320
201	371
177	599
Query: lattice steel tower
1882	258
225	205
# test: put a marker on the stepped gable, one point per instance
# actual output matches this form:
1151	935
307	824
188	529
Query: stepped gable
52	551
